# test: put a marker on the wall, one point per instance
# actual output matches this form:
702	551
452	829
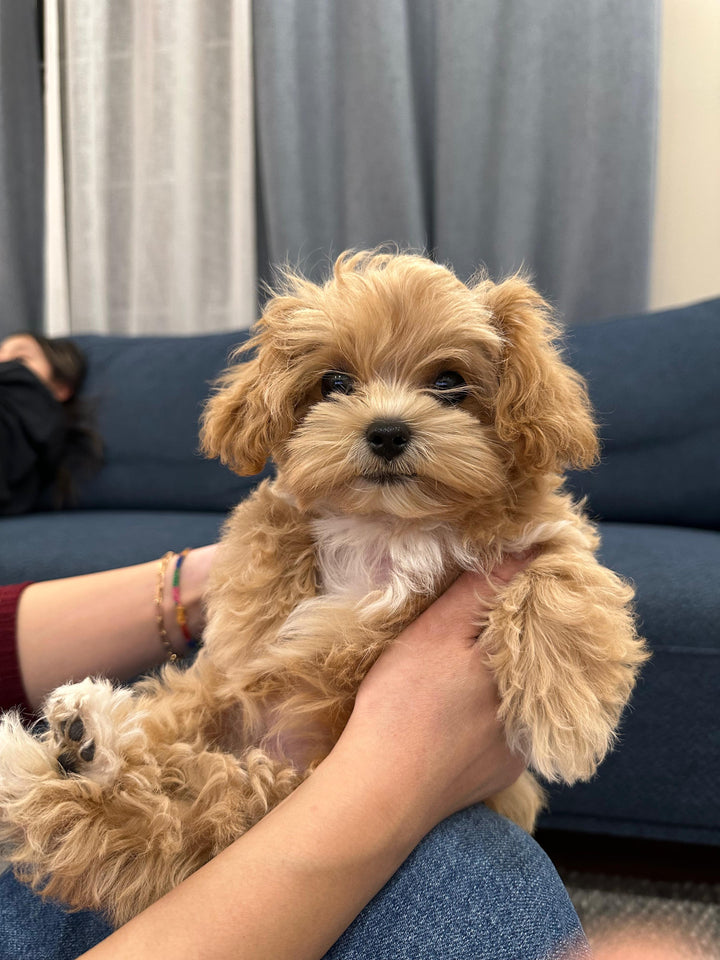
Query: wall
686	258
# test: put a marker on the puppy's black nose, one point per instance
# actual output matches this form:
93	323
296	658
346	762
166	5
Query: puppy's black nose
388	438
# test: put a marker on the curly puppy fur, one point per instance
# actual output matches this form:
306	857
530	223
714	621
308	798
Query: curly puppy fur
437	444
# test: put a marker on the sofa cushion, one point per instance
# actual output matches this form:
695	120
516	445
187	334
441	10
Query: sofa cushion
655	383
663	780
45	546
148	393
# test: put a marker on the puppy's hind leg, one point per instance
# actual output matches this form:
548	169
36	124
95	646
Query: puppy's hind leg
94	729
68	806
91	730
102	812
521	802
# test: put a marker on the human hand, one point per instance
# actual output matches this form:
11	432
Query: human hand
427	711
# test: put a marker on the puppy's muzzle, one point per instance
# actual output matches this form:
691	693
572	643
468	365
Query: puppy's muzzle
388	438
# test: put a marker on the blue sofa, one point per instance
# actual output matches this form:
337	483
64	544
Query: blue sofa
655	382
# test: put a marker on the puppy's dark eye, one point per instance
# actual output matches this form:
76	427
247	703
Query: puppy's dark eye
336	382
450	387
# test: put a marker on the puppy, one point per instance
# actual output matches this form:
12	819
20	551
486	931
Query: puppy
420	428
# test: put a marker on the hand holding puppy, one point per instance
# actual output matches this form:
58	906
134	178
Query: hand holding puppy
427	710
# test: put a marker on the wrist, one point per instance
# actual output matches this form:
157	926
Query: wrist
184	581
392	788
193	586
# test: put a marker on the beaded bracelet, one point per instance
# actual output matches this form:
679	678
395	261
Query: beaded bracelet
193	644
180	615
162	568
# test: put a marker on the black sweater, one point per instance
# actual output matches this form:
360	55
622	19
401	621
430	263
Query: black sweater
33	434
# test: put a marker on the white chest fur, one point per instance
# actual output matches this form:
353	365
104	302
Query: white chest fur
362	557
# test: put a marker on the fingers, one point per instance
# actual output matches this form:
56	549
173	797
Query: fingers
510	566
458	613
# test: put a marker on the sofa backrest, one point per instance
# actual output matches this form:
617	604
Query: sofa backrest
148	393
654	380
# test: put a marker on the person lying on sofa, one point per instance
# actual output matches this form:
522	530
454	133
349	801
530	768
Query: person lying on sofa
375	822
46	436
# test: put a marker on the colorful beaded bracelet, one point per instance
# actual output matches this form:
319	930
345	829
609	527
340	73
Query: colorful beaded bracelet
180	614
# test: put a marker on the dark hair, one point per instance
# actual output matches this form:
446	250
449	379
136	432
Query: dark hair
83	444
66	359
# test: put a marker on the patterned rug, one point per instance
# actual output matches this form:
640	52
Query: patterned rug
632	918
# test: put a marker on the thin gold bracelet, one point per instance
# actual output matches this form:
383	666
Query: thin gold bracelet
160	620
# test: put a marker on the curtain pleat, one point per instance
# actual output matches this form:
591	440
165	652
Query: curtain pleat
205	140
505	133
21	169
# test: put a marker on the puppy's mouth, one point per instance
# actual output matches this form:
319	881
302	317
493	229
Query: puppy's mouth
389	479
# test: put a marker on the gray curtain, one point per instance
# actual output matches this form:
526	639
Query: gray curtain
507	133
21	169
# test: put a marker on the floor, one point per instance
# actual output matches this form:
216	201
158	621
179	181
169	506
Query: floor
640	899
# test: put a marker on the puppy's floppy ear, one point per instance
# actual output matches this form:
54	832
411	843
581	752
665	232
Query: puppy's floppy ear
255	407
245	418
542	404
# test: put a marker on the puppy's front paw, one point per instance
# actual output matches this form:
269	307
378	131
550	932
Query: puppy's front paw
563	737
565	655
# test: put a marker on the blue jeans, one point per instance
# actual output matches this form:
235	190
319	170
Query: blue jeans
476	888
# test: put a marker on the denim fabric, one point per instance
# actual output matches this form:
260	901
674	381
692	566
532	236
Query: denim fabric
477	888
31	929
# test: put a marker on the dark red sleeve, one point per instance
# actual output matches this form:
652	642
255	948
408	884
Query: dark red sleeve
12	693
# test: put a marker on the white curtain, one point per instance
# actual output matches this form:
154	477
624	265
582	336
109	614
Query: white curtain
150	213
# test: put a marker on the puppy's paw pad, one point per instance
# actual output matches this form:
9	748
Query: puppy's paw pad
86	722
76	748
75	729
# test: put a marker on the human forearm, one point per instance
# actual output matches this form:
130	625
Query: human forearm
102	623
291	885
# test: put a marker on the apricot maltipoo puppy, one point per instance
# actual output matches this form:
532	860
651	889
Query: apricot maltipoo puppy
420	428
